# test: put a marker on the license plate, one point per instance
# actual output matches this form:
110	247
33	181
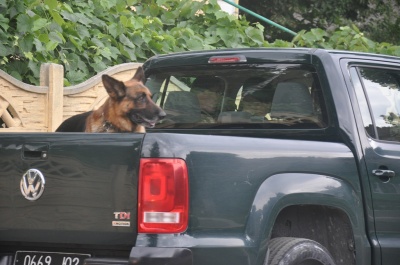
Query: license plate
48	258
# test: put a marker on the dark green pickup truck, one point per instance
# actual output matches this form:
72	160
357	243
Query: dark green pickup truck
266	156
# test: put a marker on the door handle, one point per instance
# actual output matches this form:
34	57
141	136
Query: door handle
383	173
35	151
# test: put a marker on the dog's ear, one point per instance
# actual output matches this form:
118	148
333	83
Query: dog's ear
115	89
139	75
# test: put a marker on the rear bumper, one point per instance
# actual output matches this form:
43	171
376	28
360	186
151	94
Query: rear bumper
160	256
138	256
105	261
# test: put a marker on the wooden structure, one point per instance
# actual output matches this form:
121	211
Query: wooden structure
27	108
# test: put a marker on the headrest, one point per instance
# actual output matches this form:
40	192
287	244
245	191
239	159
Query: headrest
291	97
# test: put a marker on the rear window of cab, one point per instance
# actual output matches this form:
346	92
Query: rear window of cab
262	96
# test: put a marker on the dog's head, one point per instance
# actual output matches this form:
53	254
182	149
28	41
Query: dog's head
131	100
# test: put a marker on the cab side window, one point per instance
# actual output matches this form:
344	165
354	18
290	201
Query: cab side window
382	98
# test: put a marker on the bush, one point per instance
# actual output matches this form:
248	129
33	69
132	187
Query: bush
88	36
346	38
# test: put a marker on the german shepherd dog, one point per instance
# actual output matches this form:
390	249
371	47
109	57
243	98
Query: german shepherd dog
129	108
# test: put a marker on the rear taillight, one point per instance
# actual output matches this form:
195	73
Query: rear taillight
163	195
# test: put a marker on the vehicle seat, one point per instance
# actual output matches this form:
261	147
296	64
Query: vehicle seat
290	100
182	107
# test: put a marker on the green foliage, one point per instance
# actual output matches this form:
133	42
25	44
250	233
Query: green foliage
345	38
379	20
300	15
87	36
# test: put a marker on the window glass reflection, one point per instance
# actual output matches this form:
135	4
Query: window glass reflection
383	91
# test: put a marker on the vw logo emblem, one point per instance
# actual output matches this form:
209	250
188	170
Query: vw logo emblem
32	184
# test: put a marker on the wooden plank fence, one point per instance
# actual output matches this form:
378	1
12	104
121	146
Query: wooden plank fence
28	108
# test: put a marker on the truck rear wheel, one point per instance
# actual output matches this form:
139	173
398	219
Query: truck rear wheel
298	251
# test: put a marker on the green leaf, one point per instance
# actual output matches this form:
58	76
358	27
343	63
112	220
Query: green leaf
67	7
28	55
57	18
121	6
125	22
255	34
76	77
114	52
221	14
51	45
16	75
211	39
168	19
52	4
75	43
115	29
24	23
155	46
194	44
108	4
39	45
75	17
83	31
26	43
72	62
4	50
97	43
4	22
228	36
140	53
319	32
34	67
124	40
129	53
106	53
98	65
137	39
56	37
185	10
396	51
39	24
44	38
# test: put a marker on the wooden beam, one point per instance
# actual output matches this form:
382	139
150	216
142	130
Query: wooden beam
52	75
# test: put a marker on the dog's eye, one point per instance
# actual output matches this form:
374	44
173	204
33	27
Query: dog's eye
141	97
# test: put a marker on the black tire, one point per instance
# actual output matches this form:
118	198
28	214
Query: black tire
297	251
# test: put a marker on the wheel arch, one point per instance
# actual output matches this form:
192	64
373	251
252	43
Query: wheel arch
284	194
329	226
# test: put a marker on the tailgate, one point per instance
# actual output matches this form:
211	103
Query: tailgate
89	194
